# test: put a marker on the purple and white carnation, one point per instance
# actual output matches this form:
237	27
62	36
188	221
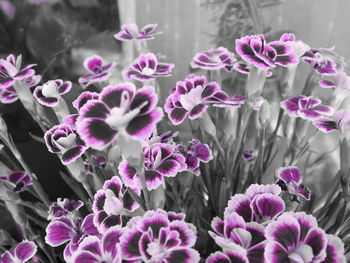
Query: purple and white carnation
233	231
249	155
119	108
50	93
111	202
299	46
308	108
159	237
63	140
237	255
22	252
289	179
146	67
214	59
132	32
335	250
19	180
260	203
340	122
160	160
341	82
195	153
63	207
192	96
99	71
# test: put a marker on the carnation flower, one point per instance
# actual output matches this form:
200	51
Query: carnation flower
260	203
158	237
236	255
18	179
289	179
99	71
341	82
334	251
146	67
21	253
299	47
214	59
121	108
160	159
249	155
62	139
50	93
308	108
63	208
132	32
340	122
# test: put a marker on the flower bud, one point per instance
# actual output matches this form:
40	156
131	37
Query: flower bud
265	113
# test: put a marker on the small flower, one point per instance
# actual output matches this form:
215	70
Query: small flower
146	67
249	155
233	231
132	32
295	237
340	122
23	252
100	250
62	139
260	203
289	179
192	96
324	61
99	71
166	137
238	254
18	179
63	208
50	93
111	202
8	8
160	160
214	59
156	237
299	47
335	250
8	95
118	109
195	153
308	108
254	50
11	69
341	82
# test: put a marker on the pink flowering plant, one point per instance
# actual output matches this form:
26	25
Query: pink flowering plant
212	172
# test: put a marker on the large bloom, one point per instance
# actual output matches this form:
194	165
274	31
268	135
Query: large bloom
98	70
340	122
11	69
132	32
260	203
50	93
192	96
63	208
214	59
158	236
295	237
18	179
111	202
62	139
289	179
254	50
23	252
233	231
118	109
146	67
308	108
160	160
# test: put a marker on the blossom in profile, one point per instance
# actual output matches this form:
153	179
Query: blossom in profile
256	51
325	61
50	93
21	253
111	202
335	250
214	59
157	237
340	82
160	160
18	179
295	237
99	250
146	67
233	232
249	155
99	70
308	108
299	46
132	32
289	179
119	108
62	139
195	153
63	208
339	122
260	203
11	69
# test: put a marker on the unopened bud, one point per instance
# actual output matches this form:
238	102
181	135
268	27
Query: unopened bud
264	113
